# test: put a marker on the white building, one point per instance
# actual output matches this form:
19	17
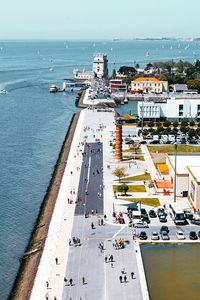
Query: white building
83	75
174	108
187	176
100	65
148	110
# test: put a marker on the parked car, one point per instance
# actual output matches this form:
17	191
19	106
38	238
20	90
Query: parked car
161	212
142	142
129	142
146	219
193	235
195	221
193	142
189	214
155	236
154	142
180	235
167	142
164	236
143	212
140	224
143	235
152	214
164	228
162	218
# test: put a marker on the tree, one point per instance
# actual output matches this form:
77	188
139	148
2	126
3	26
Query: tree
126	70
192	123
119	172
191	133
114	74
151	124
135	146
145	132
139	124
184	129
194	84
167	123
175	123
174	131
150	185
184	123
123	188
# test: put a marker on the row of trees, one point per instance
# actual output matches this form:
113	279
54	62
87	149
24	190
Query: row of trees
167	123
191	132
171	71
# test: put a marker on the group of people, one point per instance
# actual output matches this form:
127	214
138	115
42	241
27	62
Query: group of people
124	277
109	258
75	240
71	283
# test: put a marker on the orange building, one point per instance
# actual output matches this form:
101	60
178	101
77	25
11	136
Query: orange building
149	85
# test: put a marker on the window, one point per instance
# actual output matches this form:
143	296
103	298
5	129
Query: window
180	110
198	110
192	190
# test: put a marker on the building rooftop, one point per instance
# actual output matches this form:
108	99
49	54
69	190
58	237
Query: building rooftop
140	79
184	161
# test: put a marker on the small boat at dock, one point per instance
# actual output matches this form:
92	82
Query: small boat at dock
53	89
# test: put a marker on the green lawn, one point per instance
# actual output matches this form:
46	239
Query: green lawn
145	176
145	201
132	188
171	148
133	150
139	157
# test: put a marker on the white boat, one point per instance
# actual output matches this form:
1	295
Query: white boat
3	92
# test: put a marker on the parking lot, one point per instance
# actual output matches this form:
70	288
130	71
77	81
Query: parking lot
155	225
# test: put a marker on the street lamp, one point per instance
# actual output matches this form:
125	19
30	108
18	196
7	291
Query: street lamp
175	165
142	114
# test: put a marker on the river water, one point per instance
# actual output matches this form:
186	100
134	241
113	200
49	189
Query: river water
172	271
33	123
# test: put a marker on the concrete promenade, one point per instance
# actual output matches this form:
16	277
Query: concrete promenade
87	187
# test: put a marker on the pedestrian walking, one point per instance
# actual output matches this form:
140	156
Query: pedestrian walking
47	284
56	260
83	280
101	221
132	275
111	265
71	281
106	259
120	279
125	278
123	271
65	279
92	225
54	298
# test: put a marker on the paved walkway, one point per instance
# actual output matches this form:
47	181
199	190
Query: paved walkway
95	128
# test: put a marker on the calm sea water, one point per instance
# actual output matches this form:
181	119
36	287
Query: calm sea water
33	124
172	271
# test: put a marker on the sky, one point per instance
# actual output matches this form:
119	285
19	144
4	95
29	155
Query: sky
103	19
